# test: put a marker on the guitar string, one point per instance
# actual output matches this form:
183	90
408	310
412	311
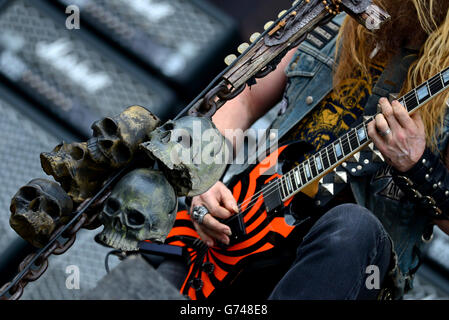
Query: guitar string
270	189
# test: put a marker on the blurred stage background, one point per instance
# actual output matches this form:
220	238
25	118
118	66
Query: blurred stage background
55	82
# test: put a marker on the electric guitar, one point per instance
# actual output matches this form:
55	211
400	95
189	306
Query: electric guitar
263	243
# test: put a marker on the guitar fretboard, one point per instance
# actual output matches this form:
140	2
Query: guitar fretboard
353	141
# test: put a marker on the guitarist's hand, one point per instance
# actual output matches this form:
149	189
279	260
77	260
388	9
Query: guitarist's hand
400	138
221	204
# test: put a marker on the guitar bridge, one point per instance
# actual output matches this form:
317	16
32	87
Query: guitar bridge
237	226
272	197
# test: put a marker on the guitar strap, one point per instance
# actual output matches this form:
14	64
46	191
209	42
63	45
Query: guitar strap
369	160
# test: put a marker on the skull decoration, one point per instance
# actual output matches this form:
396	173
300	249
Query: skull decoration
142	206
37	209
116	139
192	152
72	167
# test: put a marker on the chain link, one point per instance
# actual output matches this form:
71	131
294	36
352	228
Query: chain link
40	265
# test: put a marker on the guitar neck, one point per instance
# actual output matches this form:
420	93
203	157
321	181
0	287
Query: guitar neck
331	156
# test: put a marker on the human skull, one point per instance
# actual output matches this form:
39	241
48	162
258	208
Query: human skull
142	206
192	151
71	165
116	139
37	209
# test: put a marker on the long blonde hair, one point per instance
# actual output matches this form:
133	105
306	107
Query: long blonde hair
356	44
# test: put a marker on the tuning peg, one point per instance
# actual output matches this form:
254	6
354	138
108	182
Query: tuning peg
282	13
254	37
268	25
242	48
295	3
230	59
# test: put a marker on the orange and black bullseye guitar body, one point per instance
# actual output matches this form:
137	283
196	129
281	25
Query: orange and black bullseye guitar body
265	245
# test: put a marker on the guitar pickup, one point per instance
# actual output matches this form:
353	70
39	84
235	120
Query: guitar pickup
237	226
272	198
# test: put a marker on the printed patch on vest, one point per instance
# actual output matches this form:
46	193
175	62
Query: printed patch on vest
322	35
391	191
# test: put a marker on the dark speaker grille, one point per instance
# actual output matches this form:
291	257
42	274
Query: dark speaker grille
175	37
69	75
21	142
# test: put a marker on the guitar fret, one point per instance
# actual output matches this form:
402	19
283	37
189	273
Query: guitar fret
435	84
362	134
319	163
353	141
346	145
410	100
338	150
289	184
332	154
283	190
292	179
325	158
297	177
313	168
423	93
445	76
302	175
307	171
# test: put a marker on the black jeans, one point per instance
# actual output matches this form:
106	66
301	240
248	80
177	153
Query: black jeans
332	260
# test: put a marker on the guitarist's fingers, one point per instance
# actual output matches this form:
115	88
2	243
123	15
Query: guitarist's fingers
212	203
209	222
204	236
416	117
388	113
374	135
228	201
212	229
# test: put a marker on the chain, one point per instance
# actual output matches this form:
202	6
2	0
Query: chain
35	264
206	104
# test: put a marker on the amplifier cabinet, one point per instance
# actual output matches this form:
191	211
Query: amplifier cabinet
184	41
68	72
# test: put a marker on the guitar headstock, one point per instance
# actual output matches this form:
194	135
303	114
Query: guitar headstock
265	50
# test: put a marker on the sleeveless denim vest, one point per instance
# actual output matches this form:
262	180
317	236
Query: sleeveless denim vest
309	81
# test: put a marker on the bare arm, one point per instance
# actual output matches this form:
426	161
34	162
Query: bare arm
239	113
254	101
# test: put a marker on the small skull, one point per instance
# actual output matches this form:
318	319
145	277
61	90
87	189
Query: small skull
37	209
142	206
116	139
72	167
192	151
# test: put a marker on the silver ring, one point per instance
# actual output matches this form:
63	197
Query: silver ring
385	133
198	213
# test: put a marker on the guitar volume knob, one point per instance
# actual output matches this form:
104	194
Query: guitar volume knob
196	284
208	267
